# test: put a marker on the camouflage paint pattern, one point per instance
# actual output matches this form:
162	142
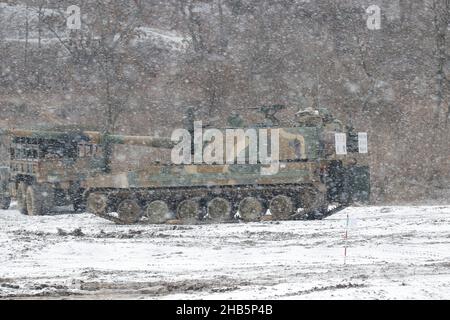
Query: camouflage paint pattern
205	175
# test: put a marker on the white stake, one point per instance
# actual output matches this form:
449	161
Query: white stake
346	239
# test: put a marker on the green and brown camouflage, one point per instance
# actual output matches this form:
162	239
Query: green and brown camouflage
311	176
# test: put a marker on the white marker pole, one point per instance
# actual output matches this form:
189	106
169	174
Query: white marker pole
346	239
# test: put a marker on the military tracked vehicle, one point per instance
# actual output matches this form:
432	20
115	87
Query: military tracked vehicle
315	179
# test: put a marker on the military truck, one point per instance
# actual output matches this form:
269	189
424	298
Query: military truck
316	178
47	168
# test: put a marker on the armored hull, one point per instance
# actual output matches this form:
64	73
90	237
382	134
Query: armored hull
310	177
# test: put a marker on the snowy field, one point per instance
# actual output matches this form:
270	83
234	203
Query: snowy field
393	253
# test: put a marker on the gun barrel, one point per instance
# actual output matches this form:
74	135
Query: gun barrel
145	141
93	137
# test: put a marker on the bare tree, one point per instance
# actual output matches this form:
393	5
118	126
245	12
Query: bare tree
441	10
40	13
207	61
27	30
104	44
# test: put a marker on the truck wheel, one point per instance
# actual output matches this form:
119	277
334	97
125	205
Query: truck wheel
129	211
281	207
97	203
35	200
157	212
22	197
5	202
188	210
250	209
219	209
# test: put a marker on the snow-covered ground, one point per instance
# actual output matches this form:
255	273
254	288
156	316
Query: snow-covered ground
393	253
13	19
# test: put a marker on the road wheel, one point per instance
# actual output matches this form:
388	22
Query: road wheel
129	211
22	197
97	203
5	202
157	212
35	200
250	209
219	209
281	207
188	210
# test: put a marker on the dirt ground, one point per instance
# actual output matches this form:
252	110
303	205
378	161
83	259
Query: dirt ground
392	253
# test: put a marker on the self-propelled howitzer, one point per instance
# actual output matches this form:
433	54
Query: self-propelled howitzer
322	168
